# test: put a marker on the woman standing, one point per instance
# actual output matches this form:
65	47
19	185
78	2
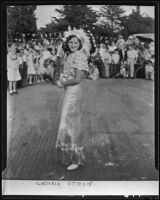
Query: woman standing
13	70
69	149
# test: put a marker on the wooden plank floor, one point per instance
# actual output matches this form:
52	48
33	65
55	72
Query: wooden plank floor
117	126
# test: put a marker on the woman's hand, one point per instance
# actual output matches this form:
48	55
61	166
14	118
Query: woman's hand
62	82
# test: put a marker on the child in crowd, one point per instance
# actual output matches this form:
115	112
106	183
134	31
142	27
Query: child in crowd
36	66
122	73
94	73
50	69
131	60
41	69
115	62
13	70
149	70
31	70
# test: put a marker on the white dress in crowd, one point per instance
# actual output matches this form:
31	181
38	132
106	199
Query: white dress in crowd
41	69
13	68
69	144
31	69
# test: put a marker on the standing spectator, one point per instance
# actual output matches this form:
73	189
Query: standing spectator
102	52
140	57
13	70
54	59
149	70
152	48
21	70
46	52
41	69
114	63
130	40
120	41
146	54
122	52
112	46
61	56
25	67
131	60
106	57
102	49
97	60
36	66
31	71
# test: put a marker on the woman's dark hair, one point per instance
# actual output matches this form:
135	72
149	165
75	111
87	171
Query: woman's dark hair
65	45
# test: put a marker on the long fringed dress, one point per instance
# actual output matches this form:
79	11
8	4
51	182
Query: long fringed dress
69	147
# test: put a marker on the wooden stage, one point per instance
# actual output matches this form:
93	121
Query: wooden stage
118	126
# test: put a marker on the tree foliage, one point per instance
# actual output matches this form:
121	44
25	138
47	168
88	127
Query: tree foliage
21	19
136	23
109	21
79	16
112	16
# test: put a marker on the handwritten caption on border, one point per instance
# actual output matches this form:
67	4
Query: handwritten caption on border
69	183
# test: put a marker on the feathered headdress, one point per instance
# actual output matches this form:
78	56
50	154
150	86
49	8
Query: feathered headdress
85	38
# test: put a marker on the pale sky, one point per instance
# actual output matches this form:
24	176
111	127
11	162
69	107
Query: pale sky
45	12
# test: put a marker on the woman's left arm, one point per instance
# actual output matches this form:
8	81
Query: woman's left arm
76	80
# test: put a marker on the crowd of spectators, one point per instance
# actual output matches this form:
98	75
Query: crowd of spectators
33	62
123	58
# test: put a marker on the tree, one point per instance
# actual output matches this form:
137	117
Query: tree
20	20
112	16
136	23
79	16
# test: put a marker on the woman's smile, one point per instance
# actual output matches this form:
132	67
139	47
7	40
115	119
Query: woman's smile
74	44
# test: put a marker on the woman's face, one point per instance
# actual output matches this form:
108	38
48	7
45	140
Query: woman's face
74	44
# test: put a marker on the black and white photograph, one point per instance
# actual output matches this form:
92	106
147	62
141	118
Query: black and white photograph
80	99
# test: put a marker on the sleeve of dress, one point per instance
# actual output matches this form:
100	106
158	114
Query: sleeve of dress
80	61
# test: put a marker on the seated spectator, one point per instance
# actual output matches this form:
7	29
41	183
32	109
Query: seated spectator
123	71
149	70
94	73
